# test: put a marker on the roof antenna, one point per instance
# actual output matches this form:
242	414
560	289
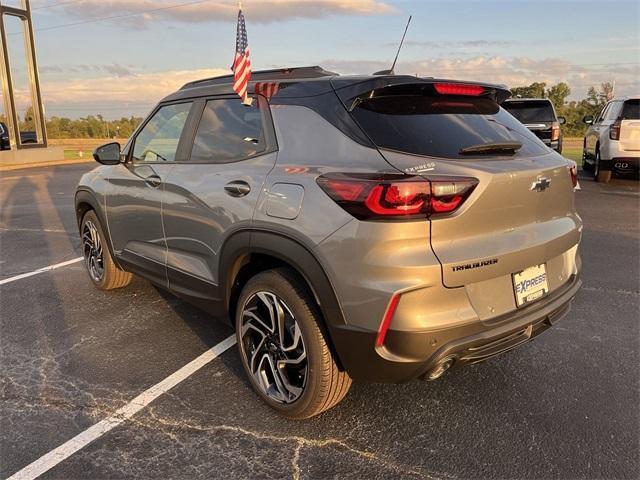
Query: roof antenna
390	71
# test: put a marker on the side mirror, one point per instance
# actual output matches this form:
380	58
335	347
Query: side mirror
588	119
107	154
562	120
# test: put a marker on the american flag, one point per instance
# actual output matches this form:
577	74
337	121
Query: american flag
267	89
241	63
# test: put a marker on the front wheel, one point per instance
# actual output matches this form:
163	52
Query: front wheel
104	273
283	349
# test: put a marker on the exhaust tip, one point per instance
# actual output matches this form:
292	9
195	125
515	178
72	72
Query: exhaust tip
441	367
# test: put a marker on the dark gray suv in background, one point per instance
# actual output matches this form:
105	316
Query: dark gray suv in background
539	116
376	228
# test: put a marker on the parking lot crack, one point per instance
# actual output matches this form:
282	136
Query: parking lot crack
299	443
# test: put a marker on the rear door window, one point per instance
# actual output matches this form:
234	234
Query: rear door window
441	126
229	131
530	111
631	110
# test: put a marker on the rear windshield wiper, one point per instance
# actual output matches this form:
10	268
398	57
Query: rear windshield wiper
487	148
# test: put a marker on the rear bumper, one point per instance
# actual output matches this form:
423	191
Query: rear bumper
621	164
409	355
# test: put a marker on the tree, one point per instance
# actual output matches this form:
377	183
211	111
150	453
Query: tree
535	90
558	94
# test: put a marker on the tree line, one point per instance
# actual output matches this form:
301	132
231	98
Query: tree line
573	111
91	127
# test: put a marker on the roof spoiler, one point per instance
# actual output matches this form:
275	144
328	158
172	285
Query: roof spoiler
273	75
348	91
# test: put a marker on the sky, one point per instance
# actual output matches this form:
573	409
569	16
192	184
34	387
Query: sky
120	57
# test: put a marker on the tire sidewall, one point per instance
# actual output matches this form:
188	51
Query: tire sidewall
106	255
305	314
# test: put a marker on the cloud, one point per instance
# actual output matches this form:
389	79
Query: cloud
199	11
115	95
455	44
510	71
116	90
119	70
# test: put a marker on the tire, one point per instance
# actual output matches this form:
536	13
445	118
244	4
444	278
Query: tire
103	272
586	166
600	176
296	376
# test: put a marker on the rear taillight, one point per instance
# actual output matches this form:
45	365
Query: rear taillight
555	131
573	171
614	130
458	89
396	197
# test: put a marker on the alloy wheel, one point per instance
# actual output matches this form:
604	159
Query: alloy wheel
92	247
273	347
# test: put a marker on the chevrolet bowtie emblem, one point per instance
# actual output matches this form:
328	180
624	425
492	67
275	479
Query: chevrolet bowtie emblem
541	184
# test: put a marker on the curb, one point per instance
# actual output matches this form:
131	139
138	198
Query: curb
55	163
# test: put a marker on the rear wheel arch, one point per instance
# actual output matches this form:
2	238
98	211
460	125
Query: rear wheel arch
270	250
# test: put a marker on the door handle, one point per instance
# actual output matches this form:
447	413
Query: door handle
153	181
237	188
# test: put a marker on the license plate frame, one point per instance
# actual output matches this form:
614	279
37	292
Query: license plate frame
530	284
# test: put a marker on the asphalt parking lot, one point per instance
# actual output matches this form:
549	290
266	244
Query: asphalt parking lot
564	406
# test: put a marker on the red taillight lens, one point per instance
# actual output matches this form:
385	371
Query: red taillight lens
386	320
375	197
458	89
614	131
401	198
555	131
573	171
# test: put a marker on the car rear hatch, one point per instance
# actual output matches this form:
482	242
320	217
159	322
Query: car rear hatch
521	212
630	126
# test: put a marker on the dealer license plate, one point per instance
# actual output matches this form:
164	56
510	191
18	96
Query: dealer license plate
530	284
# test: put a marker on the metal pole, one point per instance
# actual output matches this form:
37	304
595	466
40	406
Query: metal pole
24	14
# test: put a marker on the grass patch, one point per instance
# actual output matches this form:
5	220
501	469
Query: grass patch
573	153
73	154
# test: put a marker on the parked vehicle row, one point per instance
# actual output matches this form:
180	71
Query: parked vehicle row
612	142
374	228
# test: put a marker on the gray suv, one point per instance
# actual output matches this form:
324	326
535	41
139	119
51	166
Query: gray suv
374	228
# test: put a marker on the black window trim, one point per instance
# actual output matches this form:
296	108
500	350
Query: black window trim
131	145
191	129
603	112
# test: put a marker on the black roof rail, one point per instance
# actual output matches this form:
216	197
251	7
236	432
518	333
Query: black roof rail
263	75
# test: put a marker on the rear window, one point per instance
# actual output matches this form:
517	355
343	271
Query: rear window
530	112
441	126
631	110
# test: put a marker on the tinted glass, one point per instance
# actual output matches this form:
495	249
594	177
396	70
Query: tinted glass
613	111
441	126
631	110
158	140
603	112
228	131
530	112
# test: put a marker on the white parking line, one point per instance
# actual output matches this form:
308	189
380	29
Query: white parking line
54	457
40	270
